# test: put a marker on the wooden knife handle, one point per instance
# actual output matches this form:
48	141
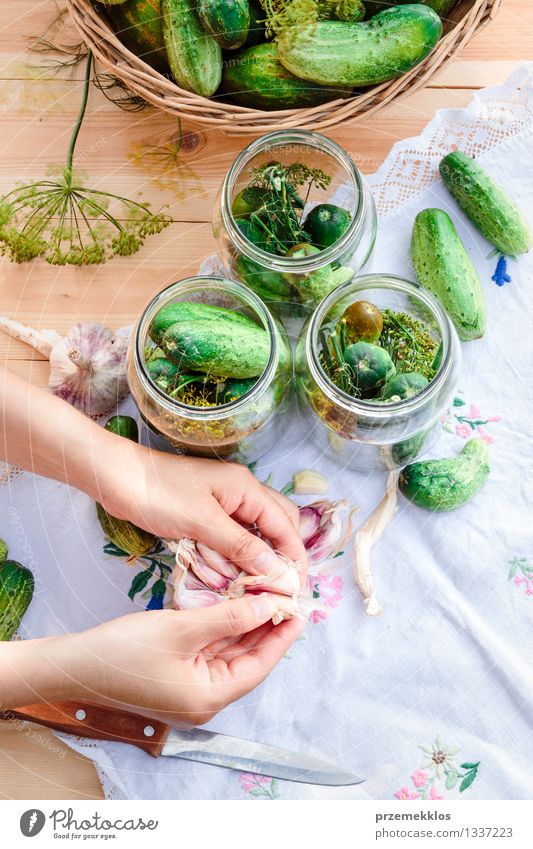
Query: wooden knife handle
101	723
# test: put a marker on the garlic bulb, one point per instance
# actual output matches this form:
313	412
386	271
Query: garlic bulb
87	367
203	577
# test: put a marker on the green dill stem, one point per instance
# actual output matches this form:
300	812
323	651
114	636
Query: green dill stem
326	352
407	332
185	383
99	209
342	335
81	114
337	349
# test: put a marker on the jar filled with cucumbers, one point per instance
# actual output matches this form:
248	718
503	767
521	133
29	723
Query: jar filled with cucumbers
210	370
294	219
376	368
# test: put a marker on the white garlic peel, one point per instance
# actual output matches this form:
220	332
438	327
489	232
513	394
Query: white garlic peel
367	537
87	366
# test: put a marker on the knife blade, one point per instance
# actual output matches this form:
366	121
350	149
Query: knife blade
159	739
233	752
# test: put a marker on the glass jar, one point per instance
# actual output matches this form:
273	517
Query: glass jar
304	280
365	434
241	430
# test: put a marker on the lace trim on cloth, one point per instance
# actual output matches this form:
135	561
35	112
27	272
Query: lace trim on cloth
493	115
8	473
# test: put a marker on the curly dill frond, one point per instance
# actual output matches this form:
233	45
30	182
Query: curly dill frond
283	17
118	93
63	54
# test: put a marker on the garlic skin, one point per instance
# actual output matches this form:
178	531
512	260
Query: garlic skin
324	529
87	367
367	536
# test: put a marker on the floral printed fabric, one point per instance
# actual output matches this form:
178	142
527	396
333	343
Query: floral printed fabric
451	654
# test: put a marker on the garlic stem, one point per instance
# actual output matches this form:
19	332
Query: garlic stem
76	357
42	340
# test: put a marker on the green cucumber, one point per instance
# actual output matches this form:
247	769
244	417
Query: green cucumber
219	349
248	201
444	267
446	484
252	233
123	426
235	389
441	7
362	54
315	285
326	223
139	26
256	78
269	285
408	449
195	58
162	372
191	311
4	551
131	539
256	28
371	366
404	386
226	20
16	593
486	204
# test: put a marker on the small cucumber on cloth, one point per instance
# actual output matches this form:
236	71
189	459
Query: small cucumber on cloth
442	485
486	204
444	267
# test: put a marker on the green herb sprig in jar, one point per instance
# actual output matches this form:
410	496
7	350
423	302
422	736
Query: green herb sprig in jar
381	356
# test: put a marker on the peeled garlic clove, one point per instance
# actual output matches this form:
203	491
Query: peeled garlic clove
286	581
309	482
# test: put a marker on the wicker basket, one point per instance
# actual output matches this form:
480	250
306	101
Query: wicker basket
467	17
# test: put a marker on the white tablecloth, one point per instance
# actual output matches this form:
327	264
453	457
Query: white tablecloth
447	668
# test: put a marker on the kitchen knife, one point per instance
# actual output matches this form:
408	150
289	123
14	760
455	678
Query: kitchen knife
158	739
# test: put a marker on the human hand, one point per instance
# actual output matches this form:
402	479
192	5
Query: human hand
208	500
182	666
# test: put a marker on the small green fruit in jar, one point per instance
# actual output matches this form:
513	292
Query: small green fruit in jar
370	365
162	372
248	201
326	223
404	386
4	551
363	321
235	389
252	232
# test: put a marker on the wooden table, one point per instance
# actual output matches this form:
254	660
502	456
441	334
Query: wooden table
115	147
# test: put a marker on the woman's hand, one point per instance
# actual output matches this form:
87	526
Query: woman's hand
210	501
178	666
172	496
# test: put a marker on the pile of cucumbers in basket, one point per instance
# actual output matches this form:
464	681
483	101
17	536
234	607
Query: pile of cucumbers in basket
279	54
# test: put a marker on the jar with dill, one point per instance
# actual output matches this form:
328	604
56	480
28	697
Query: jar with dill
210	370
294	219
376	366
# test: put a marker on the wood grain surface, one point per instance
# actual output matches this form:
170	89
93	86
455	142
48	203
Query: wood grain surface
138	153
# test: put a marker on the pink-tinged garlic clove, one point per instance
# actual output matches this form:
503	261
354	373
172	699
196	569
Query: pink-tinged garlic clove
309	523
218	562
286	581
190	593
210	577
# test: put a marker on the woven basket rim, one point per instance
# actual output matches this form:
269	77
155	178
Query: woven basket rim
165	94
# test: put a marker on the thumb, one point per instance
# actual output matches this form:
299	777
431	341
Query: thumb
241	547
231	618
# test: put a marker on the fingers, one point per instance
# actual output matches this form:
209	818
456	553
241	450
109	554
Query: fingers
231	618
226	536
286	504
275	518
248	670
